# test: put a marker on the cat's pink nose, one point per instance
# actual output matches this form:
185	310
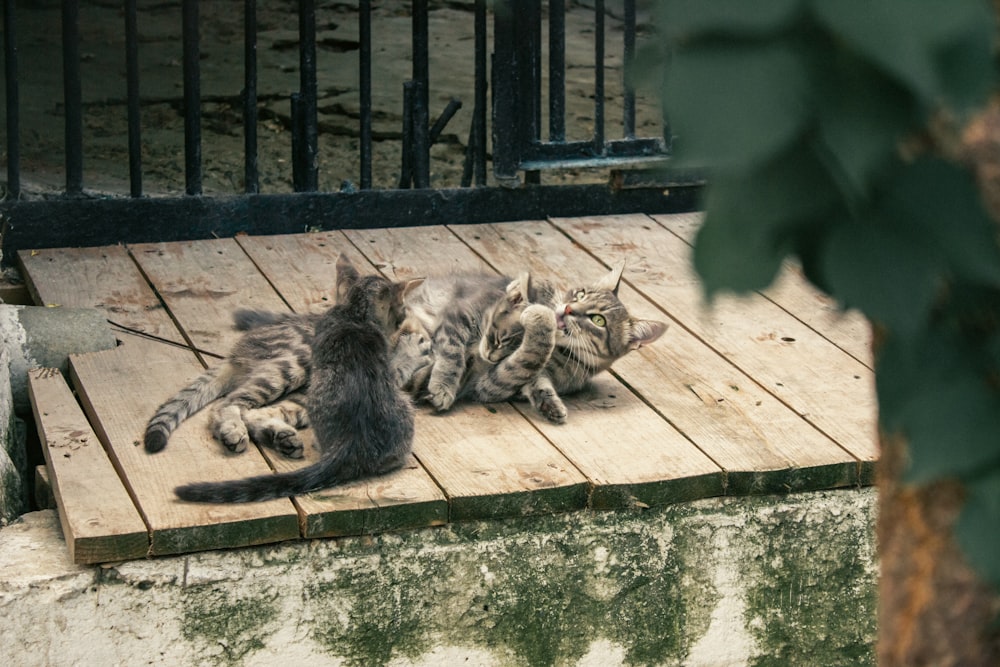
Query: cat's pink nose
567	311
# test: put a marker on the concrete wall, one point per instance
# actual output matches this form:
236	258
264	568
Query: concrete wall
745	581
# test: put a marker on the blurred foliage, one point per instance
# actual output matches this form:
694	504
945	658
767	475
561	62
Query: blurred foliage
825	126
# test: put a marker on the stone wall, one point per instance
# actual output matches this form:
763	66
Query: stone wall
771	580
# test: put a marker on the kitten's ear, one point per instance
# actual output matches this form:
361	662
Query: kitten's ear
347	275
612	279
644	332
519	289
411	285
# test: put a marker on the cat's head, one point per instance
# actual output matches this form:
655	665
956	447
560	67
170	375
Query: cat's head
379	297
593	325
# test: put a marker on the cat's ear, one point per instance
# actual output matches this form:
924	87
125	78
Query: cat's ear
519	289
411	285
347	275
612	279
644	332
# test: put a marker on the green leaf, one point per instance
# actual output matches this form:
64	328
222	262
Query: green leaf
953	427
884	272
684	19
914	41
736	103
752	216
976	528
862	119
940	204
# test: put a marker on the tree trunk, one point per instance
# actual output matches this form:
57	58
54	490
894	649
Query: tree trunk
933	610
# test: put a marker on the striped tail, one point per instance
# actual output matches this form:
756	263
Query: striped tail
206	388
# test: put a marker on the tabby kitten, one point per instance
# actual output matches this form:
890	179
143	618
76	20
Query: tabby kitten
362	422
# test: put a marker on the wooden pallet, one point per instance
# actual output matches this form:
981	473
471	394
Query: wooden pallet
762	394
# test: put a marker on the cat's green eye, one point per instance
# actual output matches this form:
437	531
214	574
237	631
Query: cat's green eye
579	295
598	319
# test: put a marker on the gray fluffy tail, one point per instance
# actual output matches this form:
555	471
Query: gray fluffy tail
206	388
327	472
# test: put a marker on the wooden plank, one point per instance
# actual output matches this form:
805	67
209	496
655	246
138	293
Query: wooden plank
302	267
410	252
98	519
827	387
761	444
489	460
848	330
493	464
104	278
119	390
645	463
202	283
406	498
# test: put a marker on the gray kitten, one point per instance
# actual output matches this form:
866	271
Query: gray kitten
363	423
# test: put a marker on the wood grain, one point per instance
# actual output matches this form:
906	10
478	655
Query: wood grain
202	283
761	444
828	388
848	330
104	278
99	521
119	390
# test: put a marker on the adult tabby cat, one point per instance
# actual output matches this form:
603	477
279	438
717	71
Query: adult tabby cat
565	342
362	422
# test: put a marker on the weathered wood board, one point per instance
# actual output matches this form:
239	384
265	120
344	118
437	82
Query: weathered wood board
848	330
99	521
104	278
827	387
721	404
202	283
120	389
719	408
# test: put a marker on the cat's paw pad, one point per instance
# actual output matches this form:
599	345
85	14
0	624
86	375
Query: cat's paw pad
537	317
233	435
288	443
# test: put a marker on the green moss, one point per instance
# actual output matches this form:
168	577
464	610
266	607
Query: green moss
228	627
814	598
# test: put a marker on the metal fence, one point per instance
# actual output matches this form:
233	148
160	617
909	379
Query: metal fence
514	114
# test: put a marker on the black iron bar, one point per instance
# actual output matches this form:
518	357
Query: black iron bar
251	174
534	36
72	95
420	103
132	92
309	150
628	122
557	70
406	166
365	84
192	97
599	76
482	83
13	101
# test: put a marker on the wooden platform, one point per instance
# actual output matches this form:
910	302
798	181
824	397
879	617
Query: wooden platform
766	394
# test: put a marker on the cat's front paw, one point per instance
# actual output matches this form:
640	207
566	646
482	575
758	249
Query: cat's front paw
553	409
537	317
440	396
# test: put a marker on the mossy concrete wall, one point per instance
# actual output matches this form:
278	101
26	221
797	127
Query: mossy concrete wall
744	581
